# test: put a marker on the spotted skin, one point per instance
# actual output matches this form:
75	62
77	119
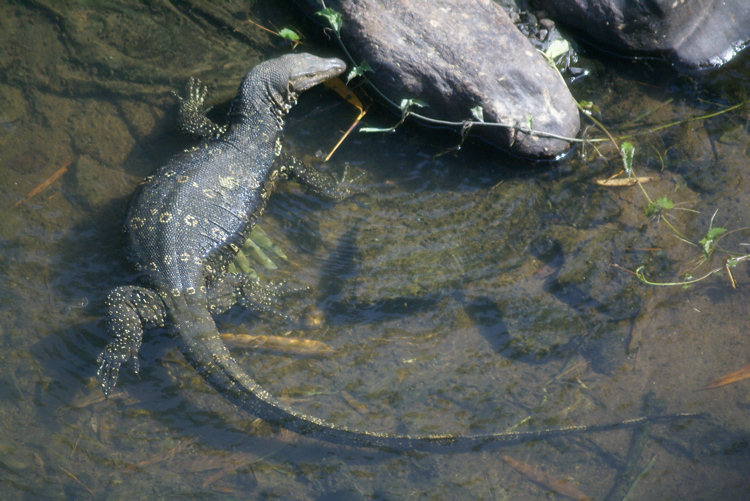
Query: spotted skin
187	223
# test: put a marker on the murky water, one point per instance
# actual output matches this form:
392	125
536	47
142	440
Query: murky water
464	292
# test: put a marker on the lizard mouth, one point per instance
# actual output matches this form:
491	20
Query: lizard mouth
323	70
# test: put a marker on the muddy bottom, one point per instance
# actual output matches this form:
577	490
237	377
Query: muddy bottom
461	292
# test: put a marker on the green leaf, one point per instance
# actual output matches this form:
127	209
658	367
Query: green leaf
665	203
358	71
405	105
715	232
376	129
408	103
333	17
589	106
478	113
289	34
709	241
557	48
658	205
628	151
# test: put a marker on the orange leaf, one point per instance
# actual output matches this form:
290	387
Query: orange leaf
339	87
732	377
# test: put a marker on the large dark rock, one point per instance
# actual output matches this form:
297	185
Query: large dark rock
456	55
697	34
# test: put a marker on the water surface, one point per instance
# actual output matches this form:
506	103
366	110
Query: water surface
462	291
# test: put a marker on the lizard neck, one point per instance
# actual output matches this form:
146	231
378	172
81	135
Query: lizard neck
256	122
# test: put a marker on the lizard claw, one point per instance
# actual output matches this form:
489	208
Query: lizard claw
191	115
349	183
110	360
195	93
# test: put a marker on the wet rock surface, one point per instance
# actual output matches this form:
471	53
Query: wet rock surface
455	56
696	35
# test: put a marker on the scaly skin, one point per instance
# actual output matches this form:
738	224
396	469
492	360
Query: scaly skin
187	223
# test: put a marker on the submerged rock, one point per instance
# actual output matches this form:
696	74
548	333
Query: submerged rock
457	55
698	34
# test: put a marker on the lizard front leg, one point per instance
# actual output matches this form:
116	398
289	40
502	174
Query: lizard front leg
320	183
191	115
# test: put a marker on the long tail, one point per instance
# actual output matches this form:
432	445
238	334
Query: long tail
208	354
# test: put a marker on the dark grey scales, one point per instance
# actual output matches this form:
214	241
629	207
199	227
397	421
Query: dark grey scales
189	219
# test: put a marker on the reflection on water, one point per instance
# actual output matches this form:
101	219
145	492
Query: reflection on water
465	292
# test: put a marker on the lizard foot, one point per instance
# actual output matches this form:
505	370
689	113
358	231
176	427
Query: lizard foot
191	115
110	360
128	310
349	183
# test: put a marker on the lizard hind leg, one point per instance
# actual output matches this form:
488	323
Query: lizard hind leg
129	309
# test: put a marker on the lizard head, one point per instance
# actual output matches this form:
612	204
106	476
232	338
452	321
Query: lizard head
306	70
279	81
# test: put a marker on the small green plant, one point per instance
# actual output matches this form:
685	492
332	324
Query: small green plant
478	113
708	242
659	205
406	105
588	107
332	16
659	208
358	71
557	48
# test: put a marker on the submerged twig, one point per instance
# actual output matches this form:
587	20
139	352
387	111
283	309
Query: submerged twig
44	184
545	480
77	480
164	456
732	377
305	347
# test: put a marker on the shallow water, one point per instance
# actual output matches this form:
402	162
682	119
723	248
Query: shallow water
462	292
